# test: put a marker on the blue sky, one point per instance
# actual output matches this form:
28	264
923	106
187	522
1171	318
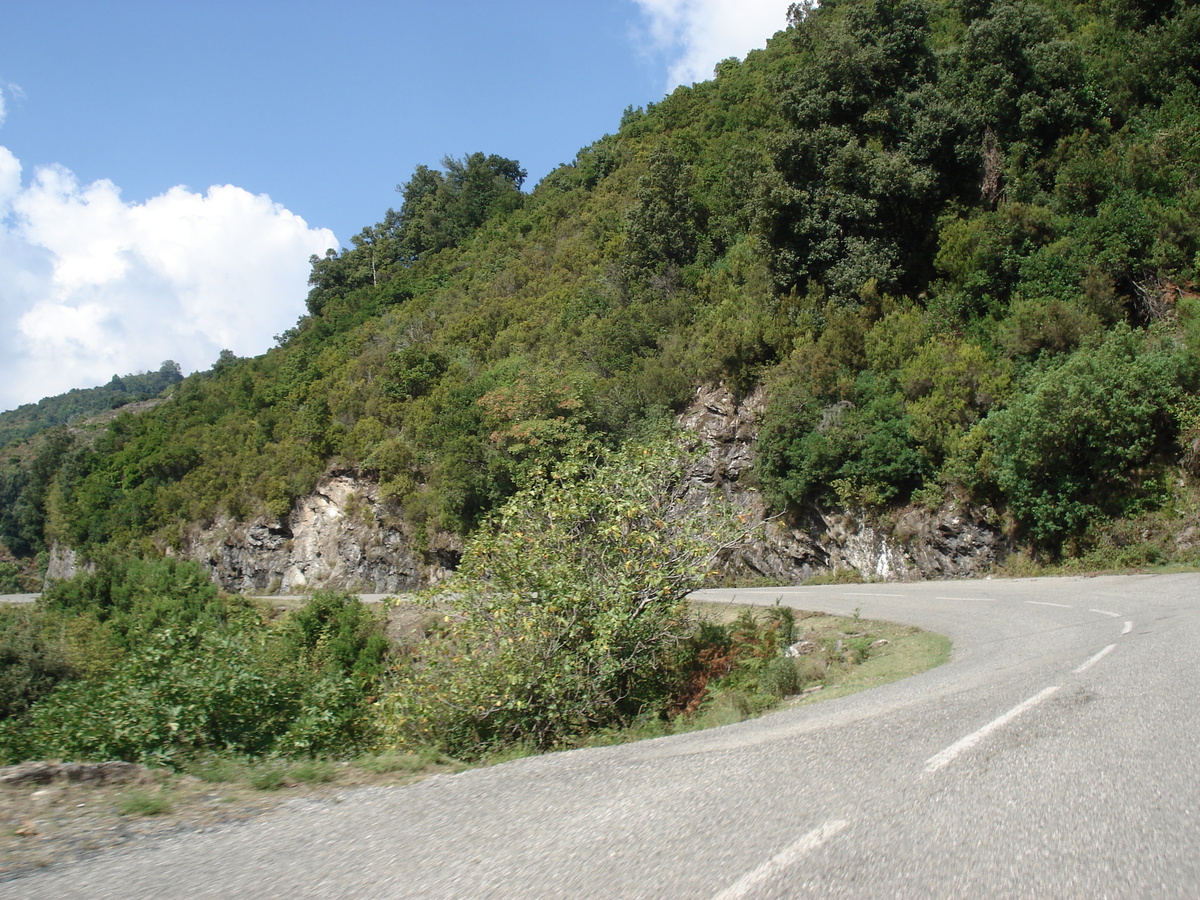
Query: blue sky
166	169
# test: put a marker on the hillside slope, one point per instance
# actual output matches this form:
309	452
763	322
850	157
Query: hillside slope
954	243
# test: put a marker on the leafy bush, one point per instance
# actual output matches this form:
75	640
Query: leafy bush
190	678
176	694
335	632
568	610
1075	444
32	660
857	452
135	597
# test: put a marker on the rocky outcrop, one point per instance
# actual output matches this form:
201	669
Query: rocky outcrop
112	772
340	536
952	541
63	563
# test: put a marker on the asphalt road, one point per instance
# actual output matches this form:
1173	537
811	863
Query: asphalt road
18	598
1056	755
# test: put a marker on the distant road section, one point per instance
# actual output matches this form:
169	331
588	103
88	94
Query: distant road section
18	598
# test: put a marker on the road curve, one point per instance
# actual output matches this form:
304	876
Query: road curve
1056	755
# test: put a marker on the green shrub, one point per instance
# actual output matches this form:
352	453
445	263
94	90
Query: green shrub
859	451
180	692
313	771
268	777
779	678
390	761
11	581
32	659
135	597
1074	445
143	803
568	610
335	632
174	695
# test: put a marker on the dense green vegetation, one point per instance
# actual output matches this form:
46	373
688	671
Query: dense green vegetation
146	661
566	620
936	231
570	607
957	242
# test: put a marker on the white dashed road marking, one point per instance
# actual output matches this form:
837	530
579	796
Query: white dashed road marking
818	836
961	746
1095	659
781	861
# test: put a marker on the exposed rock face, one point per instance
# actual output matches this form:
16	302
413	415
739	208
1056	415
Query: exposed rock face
952	541
63	563
337	537
342	537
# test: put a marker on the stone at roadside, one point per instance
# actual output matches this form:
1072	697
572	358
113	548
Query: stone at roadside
112	772
802	648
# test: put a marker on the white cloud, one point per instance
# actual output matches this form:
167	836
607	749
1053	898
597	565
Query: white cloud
11	89
698	34
92	286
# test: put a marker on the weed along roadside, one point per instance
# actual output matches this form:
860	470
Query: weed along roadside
747	661
567	624
784	656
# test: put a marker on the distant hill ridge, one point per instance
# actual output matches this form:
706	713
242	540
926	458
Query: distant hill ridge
30	418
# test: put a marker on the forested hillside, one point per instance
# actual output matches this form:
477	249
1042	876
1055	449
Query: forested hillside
31	418
956	241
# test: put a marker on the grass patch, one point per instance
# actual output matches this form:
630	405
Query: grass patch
217	769
909	651
313	771
836	656
144	803
401	762
269	777
274	774
814	657
837	576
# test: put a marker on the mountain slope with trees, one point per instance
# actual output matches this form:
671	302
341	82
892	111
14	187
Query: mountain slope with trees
31	418
956	241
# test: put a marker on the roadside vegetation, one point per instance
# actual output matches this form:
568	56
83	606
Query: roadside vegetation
566	626
566	623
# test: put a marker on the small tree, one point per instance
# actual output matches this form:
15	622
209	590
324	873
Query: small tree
568	608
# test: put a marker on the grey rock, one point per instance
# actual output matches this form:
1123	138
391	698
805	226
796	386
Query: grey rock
953	541
342	536
802	648
112	772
